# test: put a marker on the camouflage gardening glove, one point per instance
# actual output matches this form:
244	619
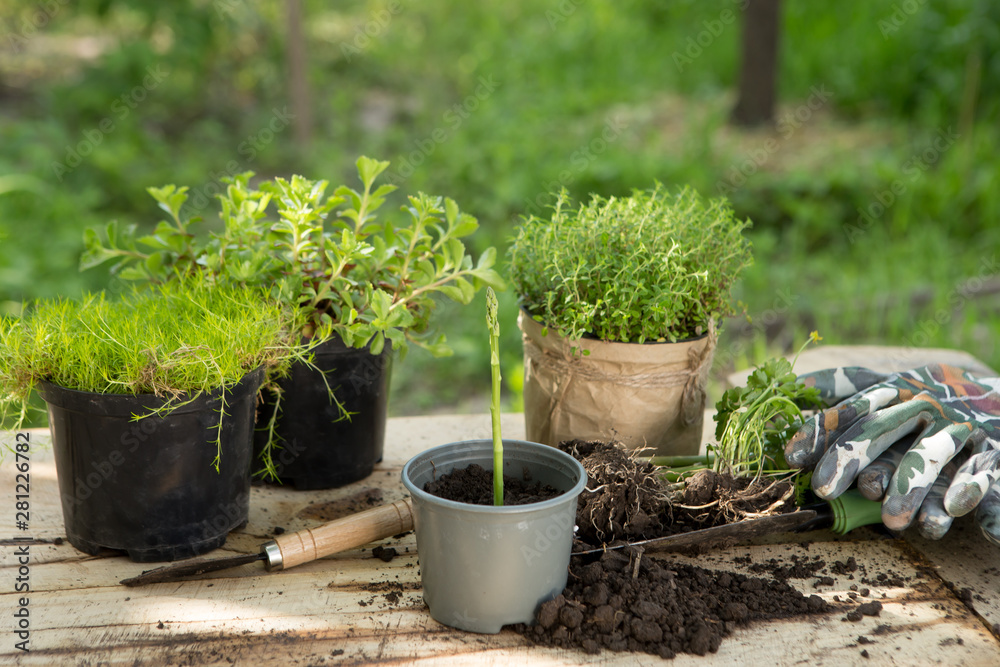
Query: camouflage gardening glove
896	433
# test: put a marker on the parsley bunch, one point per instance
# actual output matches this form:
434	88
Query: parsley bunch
755	421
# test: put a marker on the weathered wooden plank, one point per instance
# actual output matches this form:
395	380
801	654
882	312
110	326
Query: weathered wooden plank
902	635
966	560
318	600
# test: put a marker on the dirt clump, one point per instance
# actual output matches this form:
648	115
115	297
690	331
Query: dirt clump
846	567
392	592
385	554
624	499
873	608
627	602
714	498
474	485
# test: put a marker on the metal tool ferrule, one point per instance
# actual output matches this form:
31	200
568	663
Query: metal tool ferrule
272	556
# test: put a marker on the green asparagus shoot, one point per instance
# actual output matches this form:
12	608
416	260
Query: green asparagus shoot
494	326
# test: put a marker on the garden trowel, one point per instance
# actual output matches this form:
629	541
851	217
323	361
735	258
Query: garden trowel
842	514
301	547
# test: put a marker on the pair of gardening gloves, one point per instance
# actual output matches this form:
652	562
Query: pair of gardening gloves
926	442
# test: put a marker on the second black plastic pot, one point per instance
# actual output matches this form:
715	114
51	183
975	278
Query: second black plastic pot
148	486
319	447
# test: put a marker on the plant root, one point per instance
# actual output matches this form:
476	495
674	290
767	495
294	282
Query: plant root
624	499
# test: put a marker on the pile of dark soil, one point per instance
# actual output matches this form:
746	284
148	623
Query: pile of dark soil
474	485
625	602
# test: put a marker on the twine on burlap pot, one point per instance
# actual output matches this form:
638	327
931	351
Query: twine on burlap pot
649	395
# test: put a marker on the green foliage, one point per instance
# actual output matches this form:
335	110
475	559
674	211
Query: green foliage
755	421
592	117
343	269
176	341
652	266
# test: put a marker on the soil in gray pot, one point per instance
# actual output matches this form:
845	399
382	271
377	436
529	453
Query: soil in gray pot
474	485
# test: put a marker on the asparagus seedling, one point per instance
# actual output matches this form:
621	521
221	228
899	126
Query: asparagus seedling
494	326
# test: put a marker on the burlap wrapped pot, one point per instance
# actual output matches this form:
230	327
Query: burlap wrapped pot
649	395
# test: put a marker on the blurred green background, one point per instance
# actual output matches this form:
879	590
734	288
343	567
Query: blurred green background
875	198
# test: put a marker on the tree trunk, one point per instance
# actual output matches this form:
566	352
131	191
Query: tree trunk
759	65
298	73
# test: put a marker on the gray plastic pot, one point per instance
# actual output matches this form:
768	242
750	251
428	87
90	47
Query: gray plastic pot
483	567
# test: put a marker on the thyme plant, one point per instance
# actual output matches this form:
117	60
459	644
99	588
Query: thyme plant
493	323
654	266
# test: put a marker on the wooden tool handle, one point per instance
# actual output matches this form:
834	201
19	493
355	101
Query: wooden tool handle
347	533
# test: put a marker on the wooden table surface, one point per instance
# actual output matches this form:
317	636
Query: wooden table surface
354	609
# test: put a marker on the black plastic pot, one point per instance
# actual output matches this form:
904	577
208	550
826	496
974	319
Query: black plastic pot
320	449
148	487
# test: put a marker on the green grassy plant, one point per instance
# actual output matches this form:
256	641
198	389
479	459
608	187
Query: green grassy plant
650	267
177	342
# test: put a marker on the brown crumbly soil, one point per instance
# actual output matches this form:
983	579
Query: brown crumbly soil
474	485
623	600
626	602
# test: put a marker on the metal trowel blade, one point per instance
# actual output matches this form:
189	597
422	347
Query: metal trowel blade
174	572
